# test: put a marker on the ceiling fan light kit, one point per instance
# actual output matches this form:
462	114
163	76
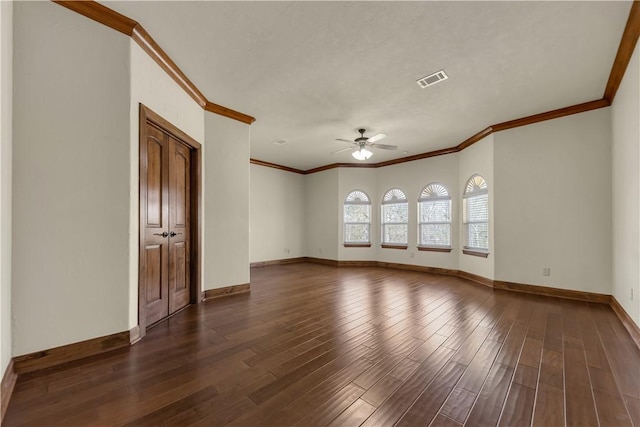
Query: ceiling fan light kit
362	154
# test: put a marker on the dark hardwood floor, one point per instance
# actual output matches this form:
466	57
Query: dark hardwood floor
315	345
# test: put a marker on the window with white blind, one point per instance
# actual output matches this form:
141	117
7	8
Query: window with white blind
434	213
395	218
357	219
475	215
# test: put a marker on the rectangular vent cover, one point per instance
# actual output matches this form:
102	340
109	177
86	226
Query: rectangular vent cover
432	79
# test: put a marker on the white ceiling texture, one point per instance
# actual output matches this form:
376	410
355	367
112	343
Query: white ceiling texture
311	72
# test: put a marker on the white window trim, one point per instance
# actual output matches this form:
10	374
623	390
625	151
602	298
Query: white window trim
420	224
470	195
345	224
383	224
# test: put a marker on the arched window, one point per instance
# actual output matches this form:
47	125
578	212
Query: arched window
475	215
434	210
357	219
395	218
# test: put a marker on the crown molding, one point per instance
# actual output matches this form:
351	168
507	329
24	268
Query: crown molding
155	52
625	50
419	156
101	14
341	165
550	115
136	31
275	166
228	112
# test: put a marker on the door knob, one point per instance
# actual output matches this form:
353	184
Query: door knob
165	234
173	234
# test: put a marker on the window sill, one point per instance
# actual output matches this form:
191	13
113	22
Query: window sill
475	253
432	249
357	245
386	246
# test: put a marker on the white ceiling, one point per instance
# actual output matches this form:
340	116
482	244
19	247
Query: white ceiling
314	71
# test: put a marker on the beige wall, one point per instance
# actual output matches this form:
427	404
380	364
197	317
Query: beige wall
277	214
625	114
322	207
553	203
6	142
70	178
226	200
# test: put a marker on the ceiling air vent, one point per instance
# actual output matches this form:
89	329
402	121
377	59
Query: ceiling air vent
432	79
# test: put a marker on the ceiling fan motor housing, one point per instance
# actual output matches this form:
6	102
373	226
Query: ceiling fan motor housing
361	138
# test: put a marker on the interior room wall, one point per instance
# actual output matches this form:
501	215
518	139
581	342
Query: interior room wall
322	207
625	115
411	178
6	142
552	203
364	179
277	214
151	86
478	159
226	202
74	220
70	178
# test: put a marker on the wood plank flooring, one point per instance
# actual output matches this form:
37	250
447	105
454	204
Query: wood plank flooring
313	345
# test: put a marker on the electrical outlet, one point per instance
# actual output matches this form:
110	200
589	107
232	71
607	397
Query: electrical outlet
546	271
412	254
286	250
319	250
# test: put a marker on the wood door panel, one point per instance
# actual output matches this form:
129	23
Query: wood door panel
179	218
154	191
156	283
180	261
181	189
153	285
154	211
179	295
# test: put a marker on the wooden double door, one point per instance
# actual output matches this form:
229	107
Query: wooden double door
165	210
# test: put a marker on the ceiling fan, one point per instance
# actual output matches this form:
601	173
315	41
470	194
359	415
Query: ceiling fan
362	143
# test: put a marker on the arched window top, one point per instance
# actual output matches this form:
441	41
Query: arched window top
475	185
434	191
395	195
357	197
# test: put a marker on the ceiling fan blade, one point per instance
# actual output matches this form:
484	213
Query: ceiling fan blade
377	137
385	146
344	140
341	150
